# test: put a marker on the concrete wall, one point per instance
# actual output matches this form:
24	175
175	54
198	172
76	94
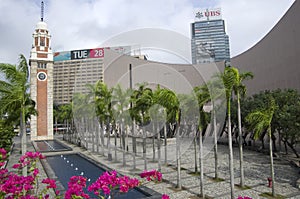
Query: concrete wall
178	77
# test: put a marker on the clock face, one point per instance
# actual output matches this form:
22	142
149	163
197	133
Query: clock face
42	76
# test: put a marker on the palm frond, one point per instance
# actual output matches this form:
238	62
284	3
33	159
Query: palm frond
261	119
23	66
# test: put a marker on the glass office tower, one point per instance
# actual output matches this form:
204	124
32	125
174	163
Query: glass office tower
209	40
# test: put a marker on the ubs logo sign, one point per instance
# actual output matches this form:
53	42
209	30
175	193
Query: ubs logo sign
207	14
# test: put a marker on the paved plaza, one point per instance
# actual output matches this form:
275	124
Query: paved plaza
257	170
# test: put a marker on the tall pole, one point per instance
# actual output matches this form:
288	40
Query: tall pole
130	79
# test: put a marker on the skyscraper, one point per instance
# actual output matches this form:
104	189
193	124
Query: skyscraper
209	40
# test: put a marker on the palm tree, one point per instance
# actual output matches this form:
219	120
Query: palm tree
190	115
66	116
229	80
260	120
103	104
11	119
203	96
168	99
6	133
216	89
142	100
240	90
80	107
90	111
157	115
55	115
120	108
14	96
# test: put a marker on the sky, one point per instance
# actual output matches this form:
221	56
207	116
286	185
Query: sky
85	24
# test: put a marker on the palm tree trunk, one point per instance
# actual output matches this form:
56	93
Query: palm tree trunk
109	155
68	132
86	130
93	135
230	151
165	136
133	144
272	164
195	153
56	125
215	142
178	159
201	164
144	145
127	138
158	147
153	141
82	132
123	143
102	139
116	147
240	141
23	139
97	136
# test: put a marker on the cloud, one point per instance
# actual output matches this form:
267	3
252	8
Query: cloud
79	24
92	23
16	19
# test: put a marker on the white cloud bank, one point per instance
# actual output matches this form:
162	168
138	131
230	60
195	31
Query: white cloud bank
78	24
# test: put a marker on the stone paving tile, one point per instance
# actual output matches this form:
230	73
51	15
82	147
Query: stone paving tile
217	189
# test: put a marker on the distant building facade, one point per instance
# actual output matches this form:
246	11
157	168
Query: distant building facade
74	70
209	43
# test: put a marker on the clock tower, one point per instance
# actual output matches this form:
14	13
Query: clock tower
41	82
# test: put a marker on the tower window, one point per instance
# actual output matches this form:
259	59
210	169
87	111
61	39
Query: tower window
42	65
42	41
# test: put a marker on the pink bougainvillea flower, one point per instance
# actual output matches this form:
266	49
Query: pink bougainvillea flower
17	166
127	183
75	188
57	192
50	183
151	175
34	155
105	189
2	164
3	154
165	196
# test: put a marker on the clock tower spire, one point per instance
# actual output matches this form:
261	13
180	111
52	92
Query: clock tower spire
42	11
41	81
